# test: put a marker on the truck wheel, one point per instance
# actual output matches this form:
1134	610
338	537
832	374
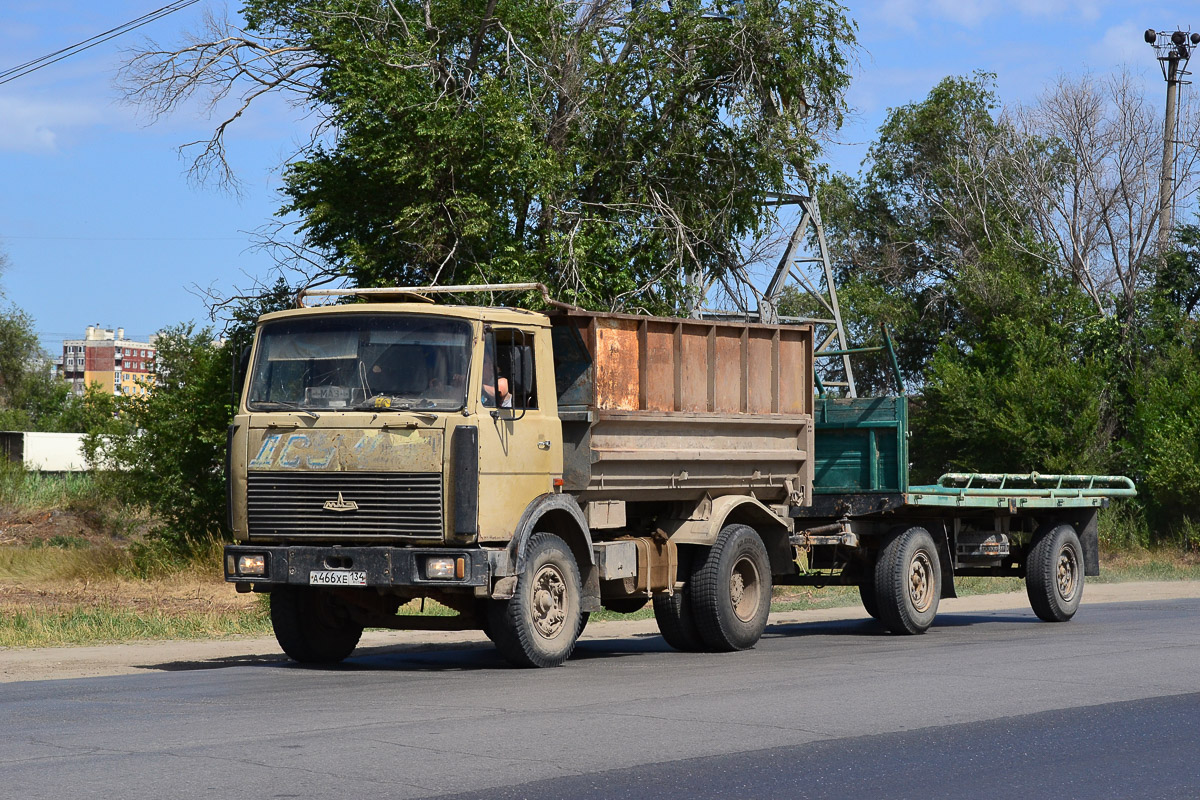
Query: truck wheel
1054	574
866	591
311	627
539	625
673	612
731	592
908	581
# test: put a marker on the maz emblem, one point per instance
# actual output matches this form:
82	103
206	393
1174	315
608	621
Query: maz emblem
340	504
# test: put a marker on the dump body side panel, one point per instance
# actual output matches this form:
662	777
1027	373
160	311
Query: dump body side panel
660	409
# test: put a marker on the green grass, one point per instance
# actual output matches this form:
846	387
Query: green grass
23	491
45	561
29	626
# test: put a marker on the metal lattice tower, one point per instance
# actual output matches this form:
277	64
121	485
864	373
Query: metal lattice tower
804	265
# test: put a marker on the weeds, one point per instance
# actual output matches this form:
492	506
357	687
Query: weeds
30	626
24	491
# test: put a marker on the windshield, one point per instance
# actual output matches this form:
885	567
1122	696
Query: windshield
361	361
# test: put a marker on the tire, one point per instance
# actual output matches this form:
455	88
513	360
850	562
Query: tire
866	591
731	592
1054	574
311	627
908	581
673	612
538	627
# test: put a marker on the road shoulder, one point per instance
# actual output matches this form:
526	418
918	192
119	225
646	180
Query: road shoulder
59	663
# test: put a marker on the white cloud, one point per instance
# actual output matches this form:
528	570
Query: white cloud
972	13
965	12
35	126
1122	44
896	14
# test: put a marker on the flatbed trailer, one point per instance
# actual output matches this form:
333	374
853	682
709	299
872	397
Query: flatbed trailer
865	515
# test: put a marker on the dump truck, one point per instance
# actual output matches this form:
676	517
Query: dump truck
525	469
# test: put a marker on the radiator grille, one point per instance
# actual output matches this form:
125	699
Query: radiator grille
376	505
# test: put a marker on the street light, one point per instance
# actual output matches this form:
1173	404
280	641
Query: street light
1173	49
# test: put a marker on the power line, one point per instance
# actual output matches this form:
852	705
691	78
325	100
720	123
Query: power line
126	238
21	70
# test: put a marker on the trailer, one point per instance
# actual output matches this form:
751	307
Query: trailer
866	519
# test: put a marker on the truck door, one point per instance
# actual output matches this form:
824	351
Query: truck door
520	438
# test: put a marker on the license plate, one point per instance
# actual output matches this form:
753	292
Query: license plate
337	577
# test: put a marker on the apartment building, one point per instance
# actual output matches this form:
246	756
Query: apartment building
106	358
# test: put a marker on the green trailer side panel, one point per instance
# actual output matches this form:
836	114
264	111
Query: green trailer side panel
861	445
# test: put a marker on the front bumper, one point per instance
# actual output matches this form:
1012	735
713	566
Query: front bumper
384	566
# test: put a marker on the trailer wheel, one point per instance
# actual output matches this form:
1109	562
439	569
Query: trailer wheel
311	627
1054	574
673	612
908	581
731	595
538	627
866	591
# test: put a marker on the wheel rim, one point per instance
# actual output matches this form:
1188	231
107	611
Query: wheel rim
549	601
920	581
1067	575
743	590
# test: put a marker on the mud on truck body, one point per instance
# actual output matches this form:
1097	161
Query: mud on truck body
526	469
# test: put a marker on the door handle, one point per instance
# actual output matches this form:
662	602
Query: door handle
544	444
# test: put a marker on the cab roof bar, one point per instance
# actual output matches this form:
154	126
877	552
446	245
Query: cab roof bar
420	292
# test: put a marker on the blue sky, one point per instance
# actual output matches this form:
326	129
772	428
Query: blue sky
101	224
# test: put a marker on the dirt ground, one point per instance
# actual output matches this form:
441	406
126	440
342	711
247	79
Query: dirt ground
30	528
82	537
123	659
168	596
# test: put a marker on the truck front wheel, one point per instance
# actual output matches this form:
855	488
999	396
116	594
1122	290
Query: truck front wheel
1054	574
311	627
908	581
538	627
731	590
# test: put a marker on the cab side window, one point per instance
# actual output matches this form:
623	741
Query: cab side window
513	353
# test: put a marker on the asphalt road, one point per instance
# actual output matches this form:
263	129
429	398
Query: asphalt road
986	704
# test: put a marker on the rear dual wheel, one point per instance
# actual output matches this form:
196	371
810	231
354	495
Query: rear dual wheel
726	600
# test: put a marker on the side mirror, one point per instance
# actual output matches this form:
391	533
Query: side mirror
518	384
239	372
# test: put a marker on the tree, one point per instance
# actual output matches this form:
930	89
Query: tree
917	223
166	451
931	239
30	399
1082	166
608	152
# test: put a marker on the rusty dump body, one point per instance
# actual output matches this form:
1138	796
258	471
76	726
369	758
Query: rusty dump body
659	409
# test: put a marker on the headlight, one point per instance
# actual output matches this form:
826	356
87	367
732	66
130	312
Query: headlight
445	568
252	565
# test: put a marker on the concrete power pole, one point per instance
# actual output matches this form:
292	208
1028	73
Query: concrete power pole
1173	50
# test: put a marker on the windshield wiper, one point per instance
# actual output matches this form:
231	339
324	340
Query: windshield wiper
281	404
396	403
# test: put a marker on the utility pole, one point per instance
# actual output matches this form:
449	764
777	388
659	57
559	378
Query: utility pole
1173	50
